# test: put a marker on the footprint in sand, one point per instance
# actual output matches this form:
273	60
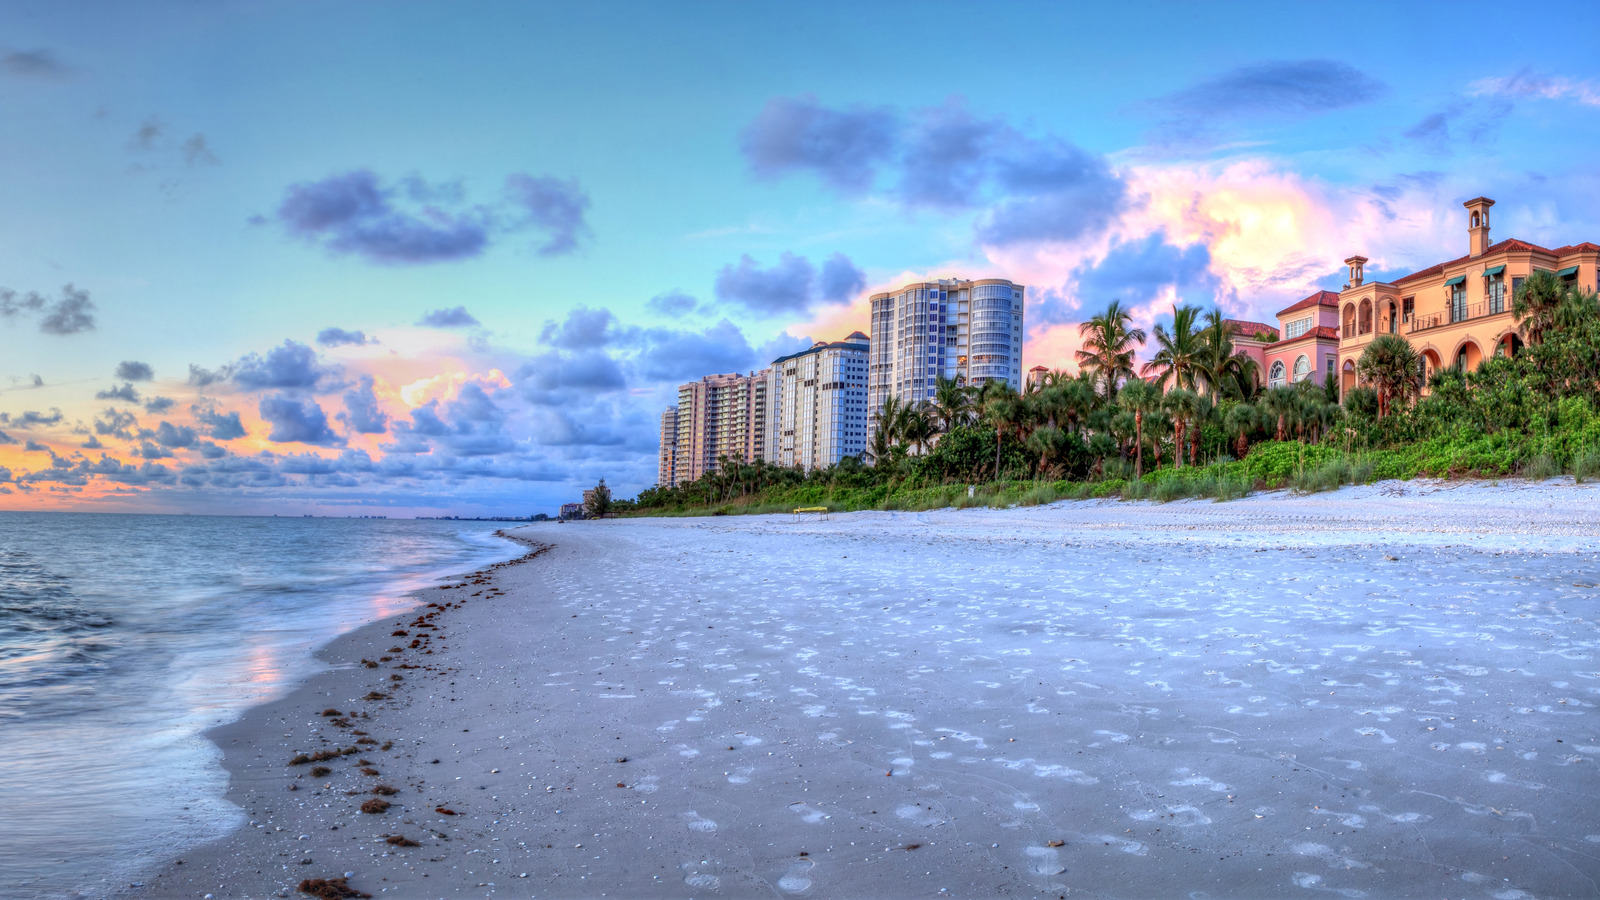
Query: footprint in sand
918	815
696	822
797	877
1046	860
695	878
740	776
810	814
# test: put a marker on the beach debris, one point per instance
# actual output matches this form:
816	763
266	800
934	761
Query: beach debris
330	889
331	712
911	846
1056	844
400	840
399	632
375	806
369	663
397	678
445	811
384	790
319	771
368	770
374	695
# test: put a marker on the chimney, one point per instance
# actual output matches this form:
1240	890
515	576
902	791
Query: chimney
1357	266
1478	224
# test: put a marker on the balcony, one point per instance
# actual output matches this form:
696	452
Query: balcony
1451	317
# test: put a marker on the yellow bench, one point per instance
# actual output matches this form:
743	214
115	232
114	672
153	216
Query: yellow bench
821	510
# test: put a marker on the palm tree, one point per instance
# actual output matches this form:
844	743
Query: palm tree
916	426
1535	304
1109	346
1224	371
1184	406
888	424
1179	358
952	403
1139	397
1283	404
1002	406
1241	420
1391	366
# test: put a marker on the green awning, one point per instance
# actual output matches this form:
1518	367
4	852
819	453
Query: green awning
1455	281
1569	270
1490	273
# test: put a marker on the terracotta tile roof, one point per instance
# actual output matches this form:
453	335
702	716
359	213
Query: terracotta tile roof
1326	332
1320	298
1511	244
1250	329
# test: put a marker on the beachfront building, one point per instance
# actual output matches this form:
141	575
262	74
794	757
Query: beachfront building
967	331
667	457
818	403
1308	345
717	416
1252	339
1455	313
1036	378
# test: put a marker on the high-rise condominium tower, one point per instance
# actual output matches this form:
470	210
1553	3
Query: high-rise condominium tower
719	415
970	331
817	404
667	461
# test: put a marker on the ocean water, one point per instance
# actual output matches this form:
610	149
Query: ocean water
124	637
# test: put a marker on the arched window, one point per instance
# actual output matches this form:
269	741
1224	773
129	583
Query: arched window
1302	369
1349	320
1275	375
1366	317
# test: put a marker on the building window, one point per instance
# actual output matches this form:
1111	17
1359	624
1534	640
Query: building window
1458	302
1332	362
1408	308
1497	295
1275	375
1298	327
1516	285
1302	369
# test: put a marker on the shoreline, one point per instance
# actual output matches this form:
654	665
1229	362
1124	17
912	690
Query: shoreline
1084	699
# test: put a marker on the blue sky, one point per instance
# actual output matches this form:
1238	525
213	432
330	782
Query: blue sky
217	180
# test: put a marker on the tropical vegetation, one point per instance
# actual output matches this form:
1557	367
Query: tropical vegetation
1193	420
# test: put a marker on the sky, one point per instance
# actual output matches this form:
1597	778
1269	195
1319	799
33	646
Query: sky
454	259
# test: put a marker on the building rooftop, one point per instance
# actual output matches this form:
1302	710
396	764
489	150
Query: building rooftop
1509	245
1253	330
1327	332
1320	298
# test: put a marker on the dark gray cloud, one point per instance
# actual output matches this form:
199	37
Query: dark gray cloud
169	435
197	152
71	313
116	423
843	147
338	337
672	303
1460	124
353	214
33	446
296	421
292	365
32	418
159	404
92	443
448	318
356	214
784	288
125	393
362	414
36	63
209	450
219	427
200	377
551	205
6	438
130	370
556	379
841	281
1139	271
583	328
1030	189
674	355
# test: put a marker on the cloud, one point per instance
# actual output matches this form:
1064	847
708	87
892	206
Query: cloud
221	427
448	318
33	446
584	328
946	156
1275	88
37	63
116	423
159	404
338	337
1055	192
552	205
293	365
843	147
129	370
1147	270
557	379
672	303
200	377
674	355
784	288
169	435
352	214
144	137
196	152
33	418
6	438
72	313
294	421
841	281
126	394
1527	84
413	222
361	412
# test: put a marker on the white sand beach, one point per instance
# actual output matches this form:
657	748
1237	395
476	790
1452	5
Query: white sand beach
1385	691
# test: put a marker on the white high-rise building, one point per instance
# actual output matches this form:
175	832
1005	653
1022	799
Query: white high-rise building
967	331
817	402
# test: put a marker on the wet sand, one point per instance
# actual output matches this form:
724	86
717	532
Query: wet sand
1384	691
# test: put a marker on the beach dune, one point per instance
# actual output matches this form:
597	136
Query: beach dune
1383	691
